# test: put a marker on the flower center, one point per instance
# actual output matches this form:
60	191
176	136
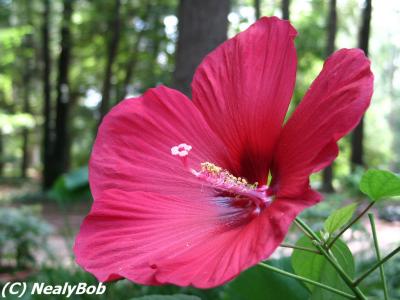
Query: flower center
231	190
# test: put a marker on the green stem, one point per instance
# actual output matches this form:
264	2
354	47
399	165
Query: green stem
321	285
300	248
374	267
350	224
331	259
378	255
306	229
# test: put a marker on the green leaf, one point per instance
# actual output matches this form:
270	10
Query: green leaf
71	186
259	283
339	218
316	267
378	184
170	297
77	178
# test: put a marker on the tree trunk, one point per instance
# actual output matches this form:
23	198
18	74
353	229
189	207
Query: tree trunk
27	76
46	143
133	58
257	8
332	28
202	27
112	48
155	45
60	157
1	154
394	121
357	153
285	9
25	131
131	66
327	174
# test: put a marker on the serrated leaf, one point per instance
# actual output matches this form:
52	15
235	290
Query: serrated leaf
339	218
316	267
379	184
259	283
166	297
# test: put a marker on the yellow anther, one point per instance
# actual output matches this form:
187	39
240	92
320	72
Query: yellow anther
211	168
226	176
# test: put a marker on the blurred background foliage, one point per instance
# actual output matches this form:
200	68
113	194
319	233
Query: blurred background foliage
65	63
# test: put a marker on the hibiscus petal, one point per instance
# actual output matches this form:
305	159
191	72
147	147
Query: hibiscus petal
331	108
155	239
243	89
132	151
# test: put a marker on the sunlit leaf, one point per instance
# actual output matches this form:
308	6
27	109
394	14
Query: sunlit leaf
378	184
339	218
11	122
317	268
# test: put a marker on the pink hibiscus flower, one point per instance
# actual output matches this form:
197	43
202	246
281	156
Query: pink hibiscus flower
180	187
